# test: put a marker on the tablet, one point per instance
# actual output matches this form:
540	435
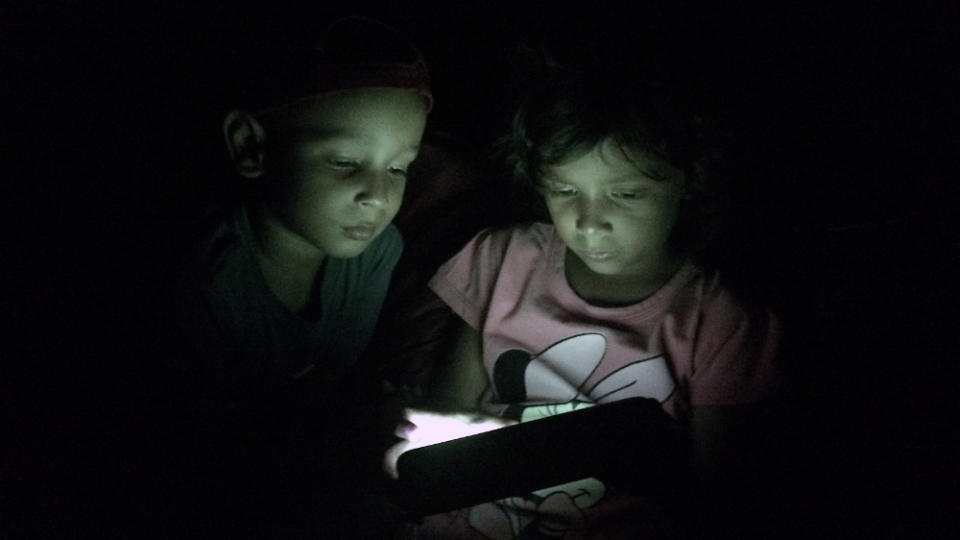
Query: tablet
606	440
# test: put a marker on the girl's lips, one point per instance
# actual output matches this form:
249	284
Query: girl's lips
359	232
598	256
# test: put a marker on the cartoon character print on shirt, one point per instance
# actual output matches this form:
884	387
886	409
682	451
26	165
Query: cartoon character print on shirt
552	382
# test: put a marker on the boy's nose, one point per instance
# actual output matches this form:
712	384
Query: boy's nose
373	190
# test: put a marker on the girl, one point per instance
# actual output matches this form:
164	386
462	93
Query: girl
604	302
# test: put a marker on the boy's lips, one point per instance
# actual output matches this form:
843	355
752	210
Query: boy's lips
362	232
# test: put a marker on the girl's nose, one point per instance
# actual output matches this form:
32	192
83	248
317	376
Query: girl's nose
592	217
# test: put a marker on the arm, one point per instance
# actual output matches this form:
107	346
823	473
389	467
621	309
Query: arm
728	465
737	362
718	434
456	388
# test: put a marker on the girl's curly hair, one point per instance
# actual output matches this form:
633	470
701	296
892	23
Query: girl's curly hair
569	112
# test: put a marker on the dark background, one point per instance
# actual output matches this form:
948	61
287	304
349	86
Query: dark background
842	158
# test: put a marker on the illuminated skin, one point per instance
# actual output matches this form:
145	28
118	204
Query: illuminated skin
341	171
334	171
615	214
424	428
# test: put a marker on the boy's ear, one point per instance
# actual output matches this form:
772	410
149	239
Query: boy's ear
244	136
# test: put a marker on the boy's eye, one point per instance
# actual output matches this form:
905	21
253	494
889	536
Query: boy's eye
343	164
398	172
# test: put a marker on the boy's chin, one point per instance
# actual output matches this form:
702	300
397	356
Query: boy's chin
355	249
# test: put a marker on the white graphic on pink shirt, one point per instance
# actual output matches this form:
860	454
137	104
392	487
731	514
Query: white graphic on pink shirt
550	383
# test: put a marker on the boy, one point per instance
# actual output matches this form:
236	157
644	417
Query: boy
284	292
294	279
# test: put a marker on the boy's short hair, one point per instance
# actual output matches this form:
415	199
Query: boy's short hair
570	112
350	52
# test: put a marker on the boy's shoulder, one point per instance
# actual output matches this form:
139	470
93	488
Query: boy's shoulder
382	255
223	248
390	241
218	245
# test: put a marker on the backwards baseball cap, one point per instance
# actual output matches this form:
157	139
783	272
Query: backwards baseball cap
352	52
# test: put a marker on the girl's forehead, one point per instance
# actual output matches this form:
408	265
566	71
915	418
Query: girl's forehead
612	161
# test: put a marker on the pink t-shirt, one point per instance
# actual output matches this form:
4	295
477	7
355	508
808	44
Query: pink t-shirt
547	351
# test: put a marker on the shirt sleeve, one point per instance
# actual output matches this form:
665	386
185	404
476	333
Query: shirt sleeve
736	357
466	281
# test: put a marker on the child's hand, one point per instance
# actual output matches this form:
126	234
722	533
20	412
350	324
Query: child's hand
423	428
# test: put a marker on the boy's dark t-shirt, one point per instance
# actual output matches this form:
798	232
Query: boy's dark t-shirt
243	342
255	401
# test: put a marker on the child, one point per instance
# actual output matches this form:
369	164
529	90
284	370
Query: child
292	282
603	303
285	291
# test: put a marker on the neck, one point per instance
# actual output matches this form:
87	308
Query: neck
618	290
289	264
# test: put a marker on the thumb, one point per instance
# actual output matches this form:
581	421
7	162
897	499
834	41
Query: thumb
392	456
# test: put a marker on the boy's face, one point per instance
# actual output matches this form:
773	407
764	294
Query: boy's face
614	213
337	165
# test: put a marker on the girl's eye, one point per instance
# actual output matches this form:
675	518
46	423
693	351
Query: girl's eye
398	172
561	190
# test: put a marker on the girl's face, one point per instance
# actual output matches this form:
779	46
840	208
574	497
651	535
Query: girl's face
341	173
614	212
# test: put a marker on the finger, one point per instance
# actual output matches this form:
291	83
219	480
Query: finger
404	429
391	456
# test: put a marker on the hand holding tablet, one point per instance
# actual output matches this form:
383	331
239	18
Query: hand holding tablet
424	428
437	471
